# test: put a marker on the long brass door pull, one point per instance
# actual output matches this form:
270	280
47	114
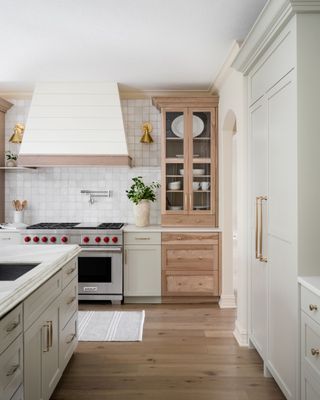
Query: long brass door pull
259	229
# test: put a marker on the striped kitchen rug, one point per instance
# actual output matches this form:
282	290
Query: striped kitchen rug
110	326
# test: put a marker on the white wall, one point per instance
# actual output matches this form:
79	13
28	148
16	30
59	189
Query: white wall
231	88
53	194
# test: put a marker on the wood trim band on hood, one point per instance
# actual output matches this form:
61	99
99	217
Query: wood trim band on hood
56	160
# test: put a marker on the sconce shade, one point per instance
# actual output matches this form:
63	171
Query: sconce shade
146	129
17	135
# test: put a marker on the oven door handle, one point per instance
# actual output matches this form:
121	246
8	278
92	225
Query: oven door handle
102	250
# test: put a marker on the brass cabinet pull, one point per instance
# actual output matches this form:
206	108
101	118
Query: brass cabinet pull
51	333
315	352
262	258
47	327
313	307
71	300
73	336
142	238
11	327
179	238
69	272
257	227
12	370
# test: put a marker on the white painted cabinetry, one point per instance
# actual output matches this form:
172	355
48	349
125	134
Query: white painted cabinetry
310	344
142	265
282	65
7	237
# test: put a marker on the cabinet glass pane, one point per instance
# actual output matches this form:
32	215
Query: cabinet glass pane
175	187
174	134
201	188
201	132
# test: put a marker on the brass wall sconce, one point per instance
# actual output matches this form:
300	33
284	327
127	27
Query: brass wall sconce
17	134
146	130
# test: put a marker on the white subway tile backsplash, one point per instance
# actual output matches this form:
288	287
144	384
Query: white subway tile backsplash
53	194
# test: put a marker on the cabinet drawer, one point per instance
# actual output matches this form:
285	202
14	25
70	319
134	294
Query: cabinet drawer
10	327
69	272
196	258
68	341
142	238
310	304
39	300
208	220
11	369
190	238
10	238
310	343
69	302
191	285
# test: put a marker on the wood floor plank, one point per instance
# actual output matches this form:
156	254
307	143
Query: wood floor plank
188	352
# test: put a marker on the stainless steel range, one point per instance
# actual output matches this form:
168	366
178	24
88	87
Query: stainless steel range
101	260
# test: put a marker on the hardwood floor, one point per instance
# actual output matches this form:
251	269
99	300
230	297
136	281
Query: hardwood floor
188	352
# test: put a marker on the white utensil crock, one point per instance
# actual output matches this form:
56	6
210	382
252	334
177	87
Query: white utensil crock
18	216
142	213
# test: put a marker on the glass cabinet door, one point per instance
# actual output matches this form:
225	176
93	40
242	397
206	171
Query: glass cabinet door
175	162
201	154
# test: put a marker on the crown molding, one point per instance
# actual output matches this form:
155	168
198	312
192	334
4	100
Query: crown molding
5	105
271	20
226	68
126	94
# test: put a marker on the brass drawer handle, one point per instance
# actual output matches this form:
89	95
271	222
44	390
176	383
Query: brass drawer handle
69	272
12	370
179	237
47	327
200	258
71	338
313	307
11	327
142	238
315	352
71	300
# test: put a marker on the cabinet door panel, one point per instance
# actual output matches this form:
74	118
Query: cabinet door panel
258	289
142	270
282	268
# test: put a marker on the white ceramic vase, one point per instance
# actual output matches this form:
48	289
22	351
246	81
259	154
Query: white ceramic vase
11	163
142	213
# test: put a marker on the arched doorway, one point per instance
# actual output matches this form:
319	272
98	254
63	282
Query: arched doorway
229	211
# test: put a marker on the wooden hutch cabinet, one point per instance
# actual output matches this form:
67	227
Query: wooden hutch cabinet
189	161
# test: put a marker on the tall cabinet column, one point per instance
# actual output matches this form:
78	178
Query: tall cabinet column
4	107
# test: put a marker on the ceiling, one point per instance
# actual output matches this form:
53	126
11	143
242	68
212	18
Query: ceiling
142	44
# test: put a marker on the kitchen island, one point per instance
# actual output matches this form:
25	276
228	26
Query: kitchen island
38	319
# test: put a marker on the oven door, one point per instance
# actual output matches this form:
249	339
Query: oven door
100	271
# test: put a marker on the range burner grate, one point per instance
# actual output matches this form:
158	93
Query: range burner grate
110	225
53	225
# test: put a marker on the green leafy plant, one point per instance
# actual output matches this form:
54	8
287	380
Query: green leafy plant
11	156
139	191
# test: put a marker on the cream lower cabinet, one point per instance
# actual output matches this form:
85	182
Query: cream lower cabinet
142	265
10	237
41	350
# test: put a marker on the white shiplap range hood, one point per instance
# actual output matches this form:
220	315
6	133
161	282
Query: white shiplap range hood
74	123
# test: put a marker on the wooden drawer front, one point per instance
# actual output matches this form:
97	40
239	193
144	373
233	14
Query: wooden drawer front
10	327
69	302
188	220
310	343
69	272
39	300
11	369
142	238
199	258
190	238
191	285
68	341
310	304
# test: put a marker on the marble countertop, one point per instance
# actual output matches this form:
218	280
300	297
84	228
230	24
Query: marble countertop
50	259
310	282
159	228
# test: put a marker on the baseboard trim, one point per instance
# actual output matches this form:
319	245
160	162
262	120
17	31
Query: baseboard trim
227	301
241	335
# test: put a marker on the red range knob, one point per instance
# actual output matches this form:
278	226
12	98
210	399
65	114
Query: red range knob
97	239
115	239
64	239
106	239
86	239
27	239
44	239
36	239
53	239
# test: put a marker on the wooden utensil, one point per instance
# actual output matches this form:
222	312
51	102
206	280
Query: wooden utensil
18	205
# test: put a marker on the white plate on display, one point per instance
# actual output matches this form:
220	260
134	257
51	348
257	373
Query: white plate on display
178	124
201	207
